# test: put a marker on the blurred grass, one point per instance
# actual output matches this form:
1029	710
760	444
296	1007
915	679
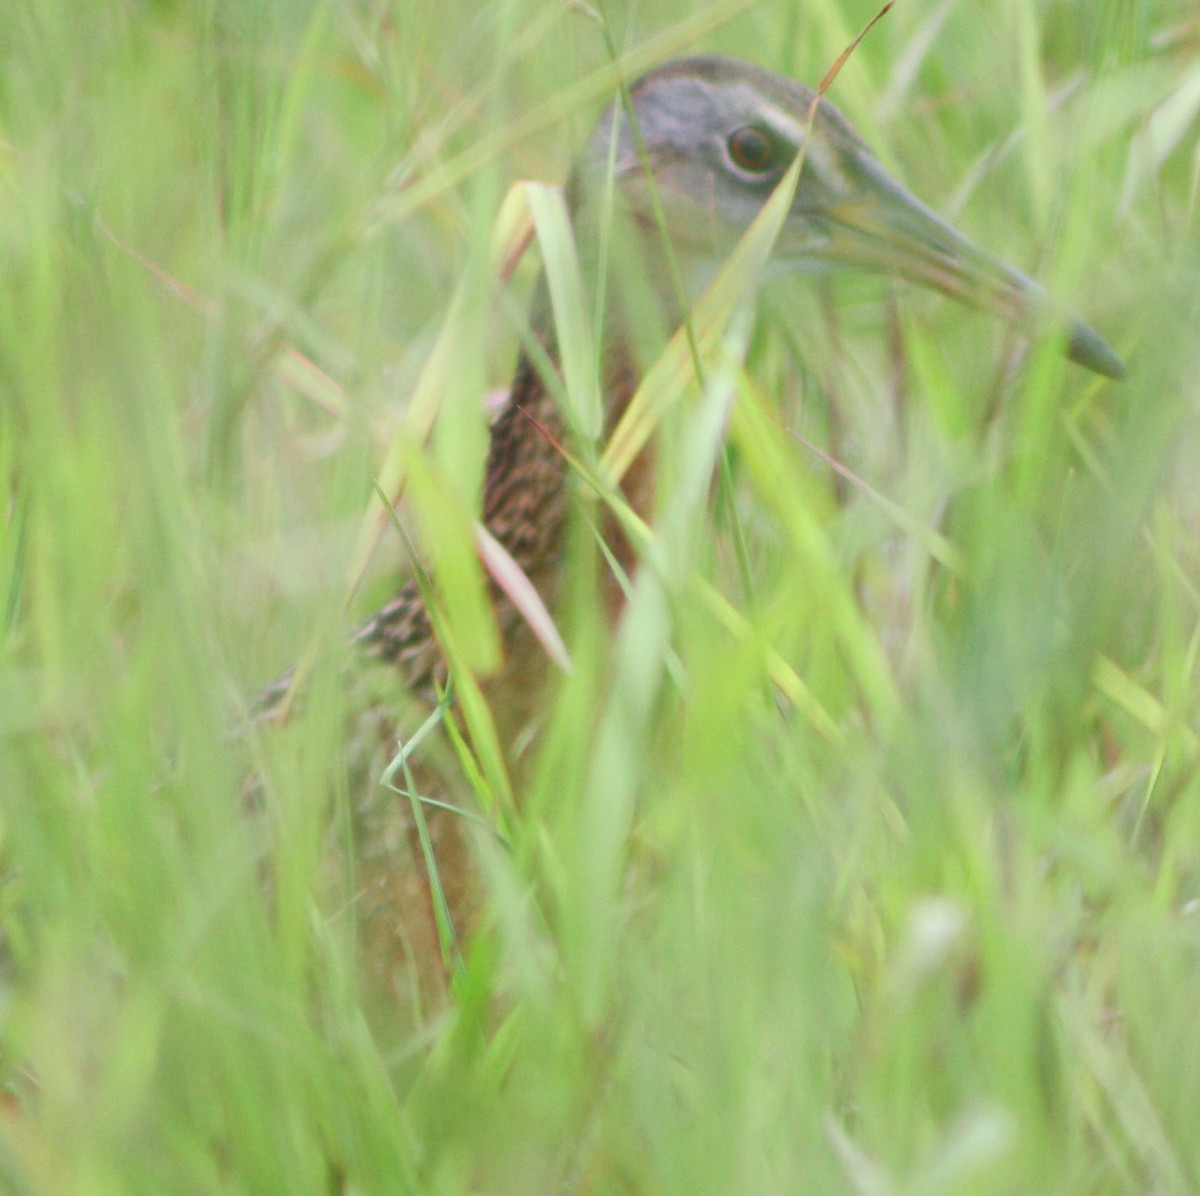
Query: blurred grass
951	949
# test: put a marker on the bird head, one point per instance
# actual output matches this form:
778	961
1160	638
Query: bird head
718	134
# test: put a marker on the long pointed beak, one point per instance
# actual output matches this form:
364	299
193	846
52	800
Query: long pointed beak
885	228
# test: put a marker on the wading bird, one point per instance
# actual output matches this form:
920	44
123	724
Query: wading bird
717	134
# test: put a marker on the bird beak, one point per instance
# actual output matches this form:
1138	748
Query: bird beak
885	228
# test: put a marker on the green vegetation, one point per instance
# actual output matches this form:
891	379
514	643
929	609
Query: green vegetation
924	921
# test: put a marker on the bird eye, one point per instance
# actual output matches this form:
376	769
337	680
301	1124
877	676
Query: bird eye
753	148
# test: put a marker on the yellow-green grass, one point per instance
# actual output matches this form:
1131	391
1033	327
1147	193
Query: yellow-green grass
862	857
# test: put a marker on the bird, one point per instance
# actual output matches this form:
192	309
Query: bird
704	140
719	133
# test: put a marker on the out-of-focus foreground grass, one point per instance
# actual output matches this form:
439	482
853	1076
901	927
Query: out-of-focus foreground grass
935	930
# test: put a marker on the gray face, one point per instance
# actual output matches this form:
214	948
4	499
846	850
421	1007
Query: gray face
719	134
718	143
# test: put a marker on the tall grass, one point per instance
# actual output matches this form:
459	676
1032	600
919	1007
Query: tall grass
923	922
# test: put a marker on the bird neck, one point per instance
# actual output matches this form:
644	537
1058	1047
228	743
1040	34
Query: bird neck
526	497
525	487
